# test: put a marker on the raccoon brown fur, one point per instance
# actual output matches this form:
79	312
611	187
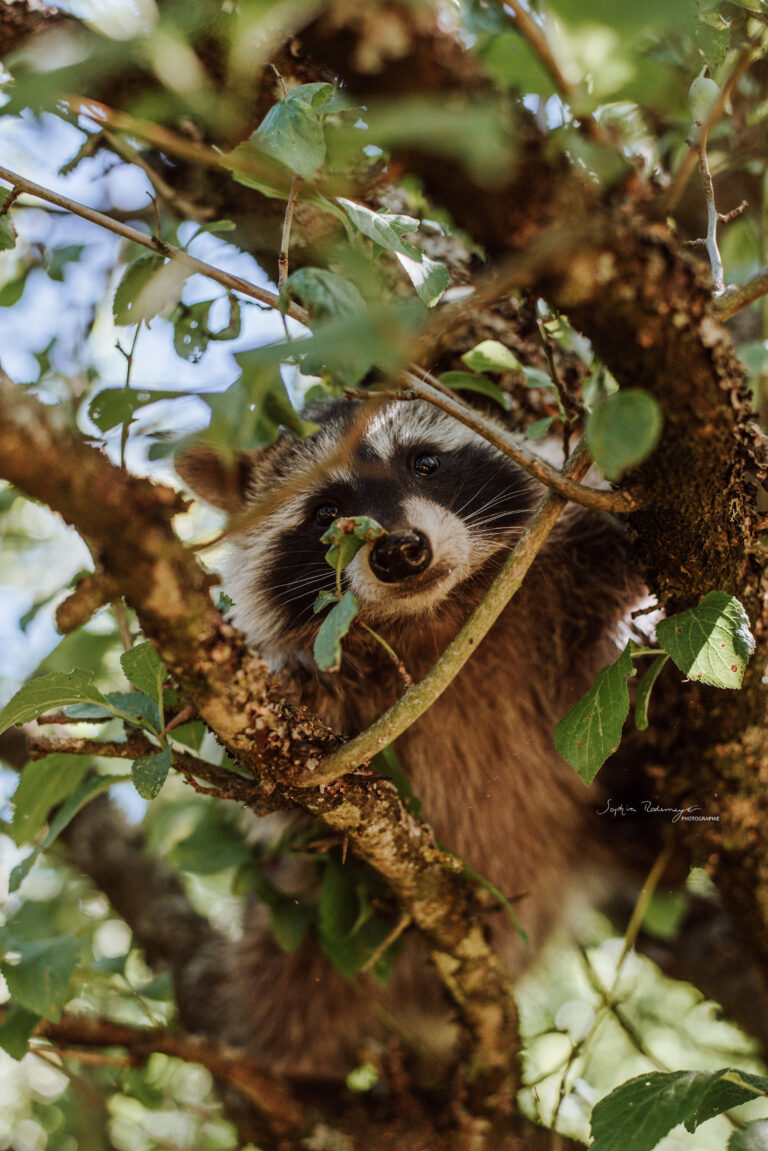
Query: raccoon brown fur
482	759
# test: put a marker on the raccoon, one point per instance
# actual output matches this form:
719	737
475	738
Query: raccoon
482	759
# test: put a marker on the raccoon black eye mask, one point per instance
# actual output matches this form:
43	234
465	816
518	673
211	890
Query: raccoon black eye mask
481	760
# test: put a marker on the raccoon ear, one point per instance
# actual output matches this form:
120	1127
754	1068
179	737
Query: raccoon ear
221	482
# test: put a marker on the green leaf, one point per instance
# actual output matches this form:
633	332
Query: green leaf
48	692
190	331
145	670
87	790
512	62
622	431
292	133
289	919
136	277
327	649
115	406
638	1114
212	846
150	773
385	228
349	928
12	292
539	428
536	378
752	1137
388	765
135	707
40	980
7	230
60	257
466	382
323	294
44	783
491	356
347	535
710	643
324	599
591	730
644	689
17	1029
429	278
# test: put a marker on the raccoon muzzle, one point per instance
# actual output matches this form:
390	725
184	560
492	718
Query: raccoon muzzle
399	555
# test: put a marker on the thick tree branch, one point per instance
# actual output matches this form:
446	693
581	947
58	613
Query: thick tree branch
229	687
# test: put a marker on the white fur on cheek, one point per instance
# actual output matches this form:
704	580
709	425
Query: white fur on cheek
451	563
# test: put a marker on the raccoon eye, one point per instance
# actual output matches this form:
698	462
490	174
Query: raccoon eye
426	465
325	514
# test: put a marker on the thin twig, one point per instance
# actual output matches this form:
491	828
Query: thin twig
282	259
737	297
530	31
229	1065
426	387
713	217
154	243
683	174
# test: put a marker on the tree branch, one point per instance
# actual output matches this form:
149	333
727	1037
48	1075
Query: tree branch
154	243
425	387
229	687
230	1066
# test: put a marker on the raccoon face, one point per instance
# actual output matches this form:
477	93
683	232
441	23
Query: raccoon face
449	502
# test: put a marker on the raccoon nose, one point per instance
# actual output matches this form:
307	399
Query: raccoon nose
399	555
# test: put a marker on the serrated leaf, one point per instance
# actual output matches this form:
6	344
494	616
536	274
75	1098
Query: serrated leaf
7	230
87	790
385	229
644	689
591	730
327	648
491	356
135	707
429	278
467	382
17	1029
55	690
145	670
44	783
639	1113
40	980
324	294
150	773
292	133
622	431
752	1137
710	643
